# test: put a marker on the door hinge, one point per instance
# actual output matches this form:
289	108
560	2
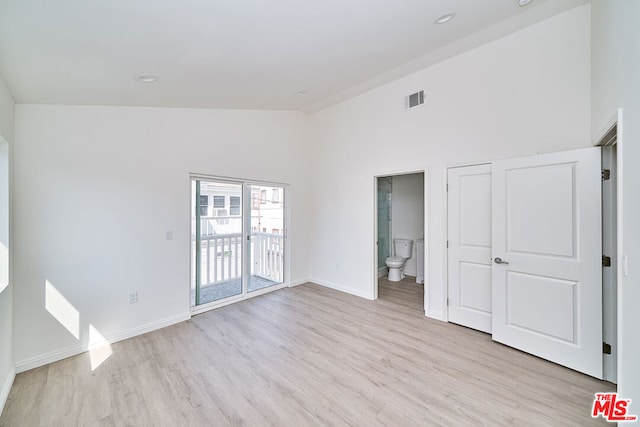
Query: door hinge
606	261
448	301
606	174
606	348
447	244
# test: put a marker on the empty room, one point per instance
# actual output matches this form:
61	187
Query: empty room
319	213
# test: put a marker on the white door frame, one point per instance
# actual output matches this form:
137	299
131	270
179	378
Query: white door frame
611	369
374	292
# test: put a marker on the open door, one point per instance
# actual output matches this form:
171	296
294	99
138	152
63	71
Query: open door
547	259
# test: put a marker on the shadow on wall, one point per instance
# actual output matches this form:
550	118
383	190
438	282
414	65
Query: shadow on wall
69	317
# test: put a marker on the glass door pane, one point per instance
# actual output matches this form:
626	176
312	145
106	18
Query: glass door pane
217	250
266	237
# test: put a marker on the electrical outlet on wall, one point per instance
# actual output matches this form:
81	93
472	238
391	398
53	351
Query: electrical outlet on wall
133	298
168	235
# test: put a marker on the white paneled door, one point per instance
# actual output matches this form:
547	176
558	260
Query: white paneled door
469	240
547	257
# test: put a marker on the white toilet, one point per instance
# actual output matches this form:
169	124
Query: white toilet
403	249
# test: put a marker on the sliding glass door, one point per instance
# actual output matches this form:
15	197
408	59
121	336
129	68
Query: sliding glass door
217	250
224	216
266	237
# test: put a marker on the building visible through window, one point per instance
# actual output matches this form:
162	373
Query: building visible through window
218	201
222	216
275	196
204	205
234	205
263	197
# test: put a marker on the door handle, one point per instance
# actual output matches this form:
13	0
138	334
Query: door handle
499	261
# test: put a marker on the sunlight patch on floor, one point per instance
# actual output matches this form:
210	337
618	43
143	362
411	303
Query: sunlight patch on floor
99	348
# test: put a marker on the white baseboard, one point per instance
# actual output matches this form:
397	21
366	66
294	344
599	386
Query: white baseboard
383	272
299	282
356	292
436	315
6	388
149	327
56	355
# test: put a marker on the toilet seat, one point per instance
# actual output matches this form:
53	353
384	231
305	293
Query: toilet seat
395	262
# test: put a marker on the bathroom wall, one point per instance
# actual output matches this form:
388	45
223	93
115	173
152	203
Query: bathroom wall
408	212
384	220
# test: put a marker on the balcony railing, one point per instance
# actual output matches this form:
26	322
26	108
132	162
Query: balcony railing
221	256
267	255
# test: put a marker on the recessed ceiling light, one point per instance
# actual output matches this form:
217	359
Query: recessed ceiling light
444	18
300	93
146	78
523	2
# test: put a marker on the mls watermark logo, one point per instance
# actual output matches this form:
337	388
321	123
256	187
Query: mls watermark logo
611	408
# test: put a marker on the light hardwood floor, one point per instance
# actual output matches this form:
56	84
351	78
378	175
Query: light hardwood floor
307	356
406	295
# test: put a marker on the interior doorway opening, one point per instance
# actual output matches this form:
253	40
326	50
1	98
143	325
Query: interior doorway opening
400	237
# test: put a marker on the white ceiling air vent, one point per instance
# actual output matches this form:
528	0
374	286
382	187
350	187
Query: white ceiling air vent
414	100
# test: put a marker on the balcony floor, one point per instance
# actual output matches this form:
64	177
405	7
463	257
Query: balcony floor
229	288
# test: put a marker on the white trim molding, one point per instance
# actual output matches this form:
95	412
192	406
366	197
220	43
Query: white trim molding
74	350
299	282
6	388
341	288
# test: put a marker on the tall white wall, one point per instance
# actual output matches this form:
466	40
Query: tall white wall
408	213
6	286
615	84
95	190
526	93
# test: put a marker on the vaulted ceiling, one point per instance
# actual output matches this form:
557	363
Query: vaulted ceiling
278	54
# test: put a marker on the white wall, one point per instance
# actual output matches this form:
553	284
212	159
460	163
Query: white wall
615	84
95	190
82	169
528	92
408	212
6	286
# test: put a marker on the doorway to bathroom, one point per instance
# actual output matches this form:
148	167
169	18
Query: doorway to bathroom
399	238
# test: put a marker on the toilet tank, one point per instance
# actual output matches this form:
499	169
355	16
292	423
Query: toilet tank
403	248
